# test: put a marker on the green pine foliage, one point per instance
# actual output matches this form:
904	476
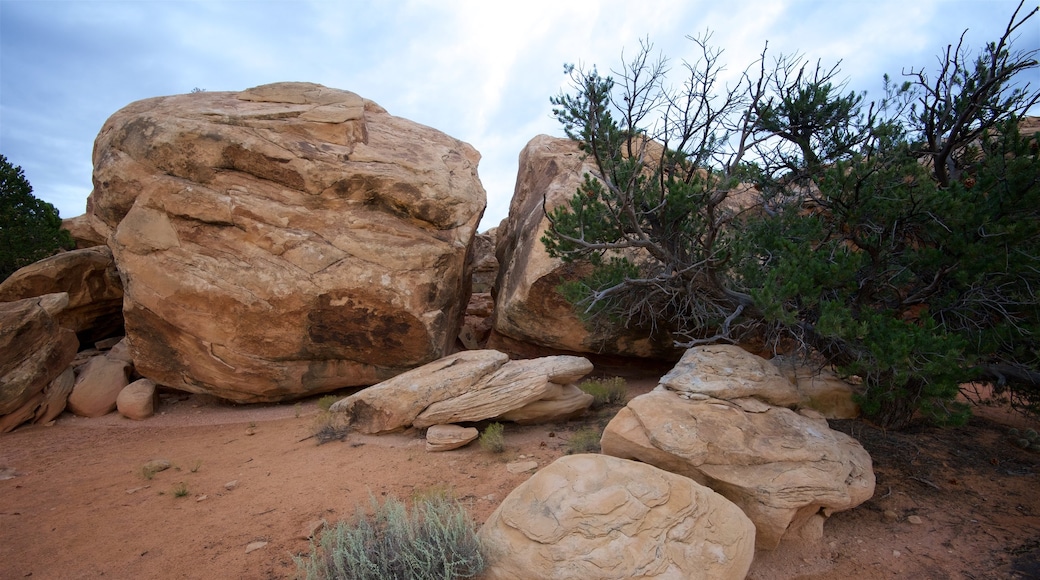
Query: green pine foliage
899	240
30	228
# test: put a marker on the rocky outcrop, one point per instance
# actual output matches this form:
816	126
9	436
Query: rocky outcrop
34	352
286	240
89	277
727	371
84	230
528	307
594	516
787	470
465	387
485	264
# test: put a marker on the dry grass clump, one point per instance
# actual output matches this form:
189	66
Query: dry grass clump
493	438
435	540
605	391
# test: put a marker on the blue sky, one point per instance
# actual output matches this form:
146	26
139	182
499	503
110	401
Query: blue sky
479	71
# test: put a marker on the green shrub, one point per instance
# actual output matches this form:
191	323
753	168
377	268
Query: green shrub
605	391
493	439
326	402
584	440
435	540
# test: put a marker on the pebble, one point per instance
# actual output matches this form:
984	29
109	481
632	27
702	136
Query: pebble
254	546
890	516
521	466
915	520
231	485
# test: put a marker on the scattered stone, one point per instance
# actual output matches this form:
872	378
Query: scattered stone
134	490
202	497
916	520
231	485
448	437
595	516
138	400
254	546
517	467
890	516
8	473
156	465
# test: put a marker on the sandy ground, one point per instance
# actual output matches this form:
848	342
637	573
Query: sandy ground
247	485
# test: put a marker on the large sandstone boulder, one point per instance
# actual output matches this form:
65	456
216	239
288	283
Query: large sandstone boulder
285	240
34	351
727	371
468	386
90	278
97	387
786	469
594	516
528	307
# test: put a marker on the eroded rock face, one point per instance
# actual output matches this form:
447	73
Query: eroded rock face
594	516
286	240
468	386
90	278
786	469
34	351
528	308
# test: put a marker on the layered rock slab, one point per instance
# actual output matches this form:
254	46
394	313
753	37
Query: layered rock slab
35	350
468	386
286	240
595	516
786	469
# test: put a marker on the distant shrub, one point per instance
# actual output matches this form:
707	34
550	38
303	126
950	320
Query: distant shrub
326	402
435	540
605	391
493	438
584	440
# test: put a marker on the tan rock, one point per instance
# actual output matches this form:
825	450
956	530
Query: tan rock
593	516
88	276
286	240
34	350
485	264
55	397
98	384
393	404
138	400
513	386
560	403
86	231
820	389
468	386
448	437
787	471
528	307
727	371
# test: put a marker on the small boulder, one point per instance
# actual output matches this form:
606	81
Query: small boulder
98	386
138	400
448	437
594	516
727	371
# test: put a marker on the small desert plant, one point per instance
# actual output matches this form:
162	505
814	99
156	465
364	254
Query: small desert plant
493	439
605	391
198	464
326	402
435	540
584	440
180	490
330	427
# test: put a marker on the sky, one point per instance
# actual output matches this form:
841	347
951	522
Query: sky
480	71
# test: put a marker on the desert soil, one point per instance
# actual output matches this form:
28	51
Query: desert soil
247	485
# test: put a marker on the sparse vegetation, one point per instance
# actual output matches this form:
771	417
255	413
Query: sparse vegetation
180	490
435	540
605	391
326	402
330	427
584	440
493	438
